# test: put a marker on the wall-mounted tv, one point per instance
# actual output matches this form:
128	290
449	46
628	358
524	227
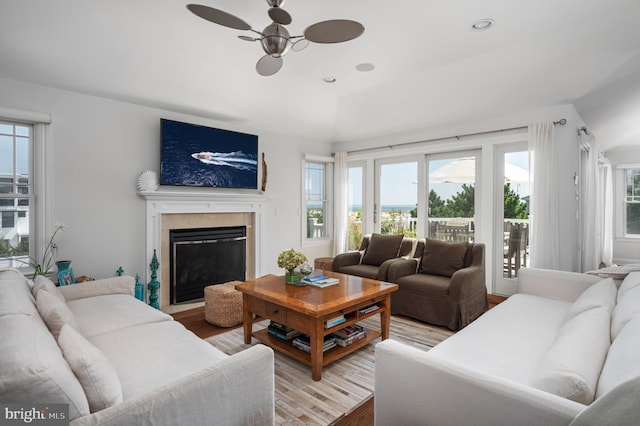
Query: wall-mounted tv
195	155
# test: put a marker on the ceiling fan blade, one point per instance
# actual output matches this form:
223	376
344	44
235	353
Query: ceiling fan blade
219	17
268	65
299	45
247	38
280	16
334	31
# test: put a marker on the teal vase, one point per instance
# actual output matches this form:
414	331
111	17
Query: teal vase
63	265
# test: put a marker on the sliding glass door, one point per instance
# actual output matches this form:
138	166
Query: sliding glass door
395	209
512	215
451	194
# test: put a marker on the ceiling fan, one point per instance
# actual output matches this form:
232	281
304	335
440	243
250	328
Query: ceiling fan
275	39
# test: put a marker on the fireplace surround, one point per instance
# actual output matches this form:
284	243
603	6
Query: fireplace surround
166	210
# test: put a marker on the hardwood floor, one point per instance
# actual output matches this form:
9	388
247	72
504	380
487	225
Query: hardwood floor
362	416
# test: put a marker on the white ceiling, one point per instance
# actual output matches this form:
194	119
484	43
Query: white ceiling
431	69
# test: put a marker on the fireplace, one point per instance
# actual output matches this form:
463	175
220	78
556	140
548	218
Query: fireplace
205	256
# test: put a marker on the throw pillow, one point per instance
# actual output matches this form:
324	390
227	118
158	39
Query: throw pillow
381	248
54	312
41	282
627	308
442	258
630	282
92	368
571	366
602	293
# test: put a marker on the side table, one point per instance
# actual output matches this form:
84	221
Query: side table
323	263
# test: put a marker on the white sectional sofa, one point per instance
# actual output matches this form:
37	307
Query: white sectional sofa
117	361
565	349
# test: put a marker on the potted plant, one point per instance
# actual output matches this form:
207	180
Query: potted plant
290	260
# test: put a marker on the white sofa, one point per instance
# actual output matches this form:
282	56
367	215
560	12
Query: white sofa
565	349
117	361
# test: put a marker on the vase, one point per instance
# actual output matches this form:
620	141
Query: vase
63	265
292	277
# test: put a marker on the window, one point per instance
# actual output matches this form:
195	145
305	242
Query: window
315	199
15	192
632	202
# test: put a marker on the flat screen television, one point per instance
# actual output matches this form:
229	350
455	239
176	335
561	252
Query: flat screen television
194	155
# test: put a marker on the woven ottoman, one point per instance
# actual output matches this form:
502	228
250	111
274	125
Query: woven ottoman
223	304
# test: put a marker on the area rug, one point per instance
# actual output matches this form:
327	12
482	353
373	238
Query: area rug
345	384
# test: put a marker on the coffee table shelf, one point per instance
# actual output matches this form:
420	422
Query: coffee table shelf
286	347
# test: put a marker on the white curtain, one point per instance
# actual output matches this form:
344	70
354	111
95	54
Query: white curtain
596	206
340	182
544	200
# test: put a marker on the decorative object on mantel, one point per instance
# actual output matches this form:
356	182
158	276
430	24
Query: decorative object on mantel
264	173
154	284
139	289
290	260
148	181
120	271
84	278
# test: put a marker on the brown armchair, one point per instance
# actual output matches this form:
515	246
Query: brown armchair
376	253
445	286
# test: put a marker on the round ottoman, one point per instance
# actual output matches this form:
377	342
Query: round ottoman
223	304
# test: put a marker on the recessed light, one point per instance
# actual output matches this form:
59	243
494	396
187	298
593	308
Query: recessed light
483	24
329	79
365	66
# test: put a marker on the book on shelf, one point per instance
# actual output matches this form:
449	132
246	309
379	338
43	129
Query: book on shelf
332	322
349	331
349	340
303	342
288	335
368	309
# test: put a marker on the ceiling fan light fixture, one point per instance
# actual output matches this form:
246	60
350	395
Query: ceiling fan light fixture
275	40
329	79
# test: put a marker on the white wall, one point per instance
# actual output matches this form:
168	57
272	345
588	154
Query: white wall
99	146
625	250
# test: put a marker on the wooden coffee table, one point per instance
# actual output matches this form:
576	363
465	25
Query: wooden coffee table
307	308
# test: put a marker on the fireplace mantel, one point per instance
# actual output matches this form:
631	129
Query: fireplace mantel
164	202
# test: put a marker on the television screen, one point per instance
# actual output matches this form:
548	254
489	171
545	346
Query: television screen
196	155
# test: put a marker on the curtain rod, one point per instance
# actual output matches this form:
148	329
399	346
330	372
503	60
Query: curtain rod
561	122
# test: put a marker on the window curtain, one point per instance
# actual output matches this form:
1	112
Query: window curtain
596	206
544	200
340	181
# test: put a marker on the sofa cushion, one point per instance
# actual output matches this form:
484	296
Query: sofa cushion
104	314
15	294
32	368
381	248
54	312
630	282
442	258
602	293
40	282
627	308
97	376
433	285
182	354
571	366
366	271
623	359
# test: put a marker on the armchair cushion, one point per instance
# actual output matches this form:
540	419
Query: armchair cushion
443	258
381	248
